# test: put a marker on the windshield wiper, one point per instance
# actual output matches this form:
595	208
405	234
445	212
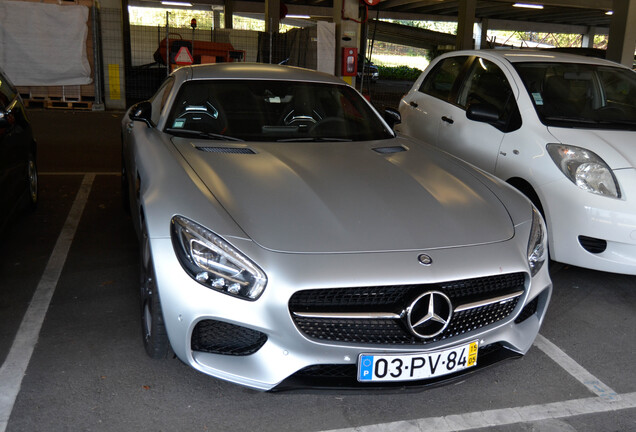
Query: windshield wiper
208	135
315	139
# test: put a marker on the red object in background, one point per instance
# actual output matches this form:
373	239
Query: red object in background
371	2
209	52
349	61
193	23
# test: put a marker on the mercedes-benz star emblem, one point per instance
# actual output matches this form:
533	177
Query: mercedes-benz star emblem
429	314
425	260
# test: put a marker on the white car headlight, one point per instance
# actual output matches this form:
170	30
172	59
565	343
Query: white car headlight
536	243
585	169
215	263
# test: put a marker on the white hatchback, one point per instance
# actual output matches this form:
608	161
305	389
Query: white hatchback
559	127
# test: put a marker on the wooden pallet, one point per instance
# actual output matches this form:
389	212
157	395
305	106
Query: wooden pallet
72	105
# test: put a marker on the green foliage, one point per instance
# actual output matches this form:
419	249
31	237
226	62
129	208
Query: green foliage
402	73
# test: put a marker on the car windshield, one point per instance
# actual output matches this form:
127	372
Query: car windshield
266	110
581	95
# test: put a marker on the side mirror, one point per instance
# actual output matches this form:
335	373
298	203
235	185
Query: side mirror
4	119
482	112
392	117
142	112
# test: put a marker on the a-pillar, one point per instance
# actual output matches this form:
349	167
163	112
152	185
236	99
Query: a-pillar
622	32
465	24
345	15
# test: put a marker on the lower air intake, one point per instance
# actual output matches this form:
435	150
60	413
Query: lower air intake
219	337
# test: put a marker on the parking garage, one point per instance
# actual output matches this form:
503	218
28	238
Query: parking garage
70	339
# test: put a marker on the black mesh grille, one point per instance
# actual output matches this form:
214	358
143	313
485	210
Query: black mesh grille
218	337
395	299
227	150
385	332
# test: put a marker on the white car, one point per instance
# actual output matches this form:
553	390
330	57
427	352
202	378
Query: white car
559	127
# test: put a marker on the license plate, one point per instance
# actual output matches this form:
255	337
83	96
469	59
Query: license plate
417	366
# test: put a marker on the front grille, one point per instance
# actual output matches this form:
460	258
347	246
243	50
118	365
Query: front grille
219	337
395	299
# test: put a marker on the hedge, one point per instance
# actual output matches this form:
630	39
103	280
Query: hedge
403	73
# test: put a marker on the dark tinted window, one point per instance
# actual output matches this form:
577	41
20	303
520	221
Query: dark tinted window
263	110
7	91
486	84
440	81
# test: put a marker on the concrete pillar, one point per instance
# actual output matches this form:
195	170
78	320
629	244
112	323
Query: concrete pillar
587	41
272	16
345	15
622	33
216	16
465	23
481	34
229	13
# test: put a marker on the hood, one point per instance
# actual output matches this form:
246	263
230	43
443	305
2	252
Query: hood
347	197
616	147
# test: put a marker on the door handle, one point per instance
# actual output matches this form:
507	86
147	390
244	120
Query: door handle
448	120
413	104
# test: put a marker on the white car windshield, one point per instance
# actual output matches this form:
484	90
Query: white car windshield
581	95
266	110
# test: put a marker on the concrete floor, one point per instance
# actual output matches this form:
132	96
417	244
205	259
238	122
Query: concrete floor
89	372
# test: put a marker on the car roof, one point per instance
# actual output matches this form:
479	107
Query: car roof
253	71
537	56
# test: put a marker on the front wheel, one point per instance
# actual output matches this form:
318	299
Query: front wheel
153	328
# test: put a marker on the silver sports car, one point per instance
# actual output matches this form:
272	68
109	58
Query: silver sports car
290	238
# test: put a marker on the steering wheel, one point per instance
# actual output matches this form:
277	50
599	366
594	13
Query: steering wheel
330	126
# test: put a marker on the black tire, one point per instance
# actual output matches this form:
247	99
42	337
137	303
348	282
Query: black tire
32	181
155	337
125	194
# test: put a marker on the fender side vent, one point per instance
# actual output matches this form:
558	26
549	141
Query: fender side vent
389	150
227	150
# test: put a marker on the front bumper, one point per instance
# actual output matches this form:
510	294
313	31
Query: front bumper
286	350
572	213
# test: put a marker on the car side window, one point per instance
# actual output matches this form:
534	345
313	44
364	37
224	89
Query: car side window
487	84
440	81
7	92
159	99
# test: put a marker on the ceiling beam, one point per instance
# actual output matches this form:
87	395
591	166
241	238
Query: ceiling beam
581	4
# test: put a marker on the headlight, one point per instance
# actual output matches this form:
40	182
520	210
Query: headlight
213	262
536	243
585	169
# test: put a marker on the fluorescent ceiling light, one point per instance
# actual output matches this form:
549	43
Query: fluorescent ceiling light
174	3
298	16
529	6
609	13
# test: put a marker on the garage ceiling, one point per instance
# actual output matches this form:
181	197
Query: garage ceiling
588	13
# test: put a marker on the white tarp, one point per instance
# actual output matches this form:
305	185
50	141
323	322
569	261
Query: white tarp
44	44
326	47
